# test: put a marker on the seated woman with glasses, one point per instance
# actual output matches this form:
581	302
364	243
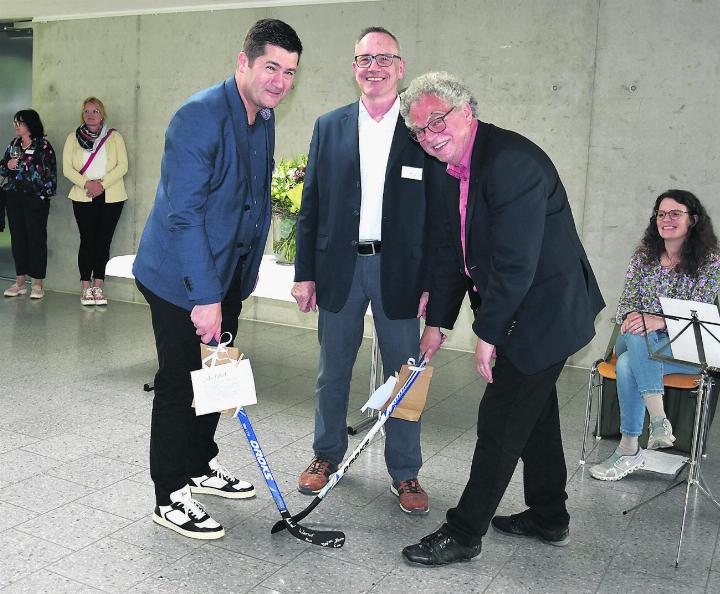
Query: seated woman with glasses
95	161
678	258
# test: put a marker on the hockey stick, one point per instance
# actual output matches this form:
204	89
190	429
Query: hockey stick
324	538
335	478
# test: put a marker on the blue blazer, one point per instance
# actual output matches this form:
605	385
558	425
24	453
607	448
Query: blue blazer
329	221
205	217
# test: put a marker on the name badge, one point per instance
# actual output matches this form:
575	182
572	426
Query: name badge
30	151
411	172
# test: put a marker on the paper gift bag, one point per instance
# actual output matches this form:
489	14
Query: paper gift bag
411	406
225	381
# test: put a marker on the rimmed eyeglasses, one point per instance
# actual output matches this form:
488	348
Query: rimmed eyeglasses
673	214
384	60
435	125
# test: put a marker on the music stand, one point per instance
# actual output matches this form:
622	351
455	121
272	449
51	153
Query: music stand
702	331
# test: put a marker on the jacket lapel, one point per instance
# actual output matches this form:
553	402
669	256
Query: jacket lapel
350	138
238	115
474	189
399	142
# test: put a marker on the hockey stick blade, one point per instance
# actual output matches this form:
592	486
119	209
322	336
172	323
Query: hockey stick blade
324	538
332	539
335	478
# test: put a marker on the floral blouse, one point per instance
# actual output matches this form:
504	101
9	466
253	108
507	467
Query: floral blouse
646	283
37	169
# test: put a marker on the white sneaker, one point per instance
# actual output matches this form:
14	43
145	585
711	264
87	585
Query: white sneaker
221	482
661	434
618	466
99	296
37	292
187	517
14	291
87	297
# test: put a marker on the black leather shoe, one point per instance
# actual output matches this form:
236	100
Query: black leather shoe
524	525
439	548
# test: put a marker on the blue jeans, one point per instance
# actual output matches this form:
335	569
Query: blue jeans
340	334
638	376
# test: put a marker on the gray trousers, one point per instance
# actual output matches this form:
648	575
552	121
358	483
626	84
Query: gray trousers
340	335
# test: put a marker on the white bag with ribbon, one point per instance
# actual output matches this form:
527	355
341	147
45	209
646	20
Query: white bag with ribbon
225	382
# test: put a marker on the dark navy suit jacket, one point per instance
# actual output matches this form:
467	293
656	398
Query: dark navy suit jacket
328	225
205	217
537	296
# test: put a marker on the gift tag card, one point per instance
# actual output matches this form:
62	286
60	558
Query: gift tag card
221	387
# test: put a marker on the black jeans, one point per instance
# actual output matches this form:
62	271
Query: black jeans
518	418
181	444
27	218
96	221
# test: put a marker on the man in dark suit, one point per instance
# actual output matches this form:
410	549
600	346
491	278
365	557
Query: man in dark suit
502	231
360	240
199	258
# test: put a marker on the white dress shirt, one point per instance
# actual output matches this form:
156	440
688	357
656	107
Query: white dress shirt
375	140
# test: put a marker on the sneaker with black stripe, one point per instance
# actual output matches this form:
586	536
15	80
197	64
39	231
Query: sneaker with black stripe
188	517
221	482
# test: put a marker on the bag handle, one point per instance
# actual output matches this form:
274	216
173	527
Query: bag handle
91	158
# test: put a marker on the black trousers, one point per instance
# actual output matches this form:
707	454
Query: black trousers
96	222
27	218
181	444
518	418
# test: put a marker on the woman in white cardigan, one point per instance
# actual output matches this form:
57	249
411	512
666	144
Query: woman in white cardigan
95	161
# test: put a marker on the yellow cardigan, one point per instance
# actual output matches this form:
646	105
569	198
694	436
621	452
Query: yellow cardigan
74	157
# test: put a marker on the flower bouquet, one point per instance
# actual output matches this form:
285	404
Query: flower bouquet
286	191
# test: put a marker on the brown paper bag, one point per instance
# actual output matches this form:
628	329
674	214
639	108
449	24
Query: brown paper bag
230	355
411	406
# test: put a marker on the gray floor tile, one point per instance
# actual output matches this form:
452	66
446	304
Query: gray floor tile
630	582
12	515
222	571
73	525
42	493
94	471
111	565
22	554
47	582
125	499
301	575
18	465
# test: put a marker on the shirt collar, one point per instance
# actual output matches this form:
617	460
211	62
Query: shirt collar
463	169
390	116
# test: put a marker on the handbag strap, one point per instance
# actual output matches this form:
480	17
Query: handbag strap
91	158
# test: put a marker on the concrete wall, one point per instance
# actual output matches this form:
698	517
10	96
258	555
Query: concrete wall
620	94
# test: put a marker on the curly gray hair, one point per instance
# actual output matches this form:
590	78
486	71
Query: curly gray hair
440	84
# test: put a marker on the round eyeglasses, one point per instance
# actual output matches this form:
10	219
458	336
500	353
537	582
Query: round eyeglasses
673	214
435	125
383	60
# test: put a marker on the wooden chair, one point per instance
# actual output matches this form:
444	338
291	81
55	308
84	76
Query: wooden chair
604	369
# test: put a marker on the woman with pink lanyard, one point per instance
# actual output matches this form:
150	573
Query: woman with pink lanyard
95	161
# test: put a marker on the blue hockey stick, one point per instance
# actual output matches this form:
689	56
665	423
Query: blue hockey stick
324	538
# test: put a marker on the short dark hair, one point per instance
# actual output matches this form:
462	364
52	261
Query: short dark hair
32	120
273	32
700	242
368	30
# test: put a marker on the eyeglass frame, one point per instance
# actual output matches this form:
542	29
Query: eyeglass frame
660	215
17	123
92	112
416	133
375	57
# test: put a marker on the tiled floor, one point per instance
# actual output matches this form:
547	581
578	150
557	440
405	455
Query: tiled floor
76	496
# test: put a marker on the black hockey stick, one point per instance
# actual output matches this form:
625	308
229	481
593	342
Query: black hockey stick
324	538
335	478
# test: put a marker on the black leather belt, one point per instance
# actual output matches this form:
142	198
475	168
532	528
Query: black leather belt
368	248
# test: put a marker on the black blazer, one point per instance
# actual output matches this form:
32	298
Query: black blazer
328	224
537	297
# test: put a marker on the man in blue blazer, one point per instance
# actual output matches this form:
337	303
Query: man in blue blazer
199	257
360	238
503	233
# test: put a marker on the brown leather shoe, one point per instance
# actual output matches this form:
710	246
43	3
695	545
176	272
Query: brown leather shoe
316	476
413	498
